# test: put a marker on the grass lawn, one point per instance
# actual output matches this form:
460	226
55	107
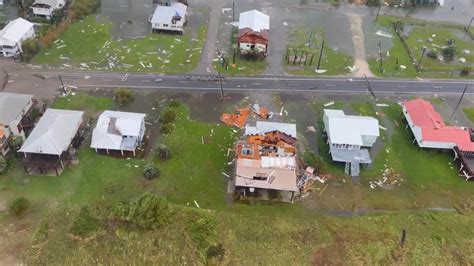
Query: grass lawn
334	62
195	169
429	177
96	176
243	66
470	113
417	38
88	44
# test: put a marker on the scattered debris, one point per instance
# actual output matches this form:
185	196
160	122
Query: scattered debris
389	179
197	205
239	119
383	128
61	46
310	129
226	175
383	34
260	111
328	104
382	105
403	67
320	71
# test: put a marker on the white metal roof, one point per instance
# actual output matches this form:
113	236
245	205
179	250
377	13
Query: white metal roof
126	124
54	132
11	105
15	30
263	127
254	20
51	3
349	129
164	14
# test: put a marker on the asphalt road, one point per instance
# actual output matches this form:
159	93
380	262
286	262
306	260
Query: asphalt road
380	87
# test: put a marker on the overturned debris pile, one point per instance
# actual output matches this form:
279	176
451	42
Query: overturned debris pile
390	179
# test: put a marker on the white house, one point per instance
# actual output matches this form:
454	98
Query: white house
253	35
169	18
45	8
347	137
118	131
12	36
49	146
13	109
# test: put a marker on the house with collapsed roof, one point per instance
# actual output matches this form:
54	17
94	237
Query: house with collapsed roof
53	142
46	8
266	161
13	35
253	35
118	131
14	117
431	132
169	17
350	137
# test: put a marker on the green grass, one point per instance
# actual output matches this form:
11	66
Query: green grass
243	66
335	62
90	42
95	177
82	101
469	113
417	38
195	169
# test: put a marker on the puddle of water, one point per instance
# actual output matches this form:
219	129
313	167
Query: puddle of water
130	17
8	12
372	39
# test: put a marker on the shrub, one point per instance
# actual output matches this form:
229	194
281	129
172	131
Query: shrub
168	116
312	160
85	223
150	171
19	206
30	47
166	129
146	211
3	165
16	142
433	53
449	52
123	96
163	152
174	103
465	71
81	8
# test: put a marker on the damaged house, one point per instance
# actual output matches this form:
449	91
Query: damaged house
169	17
431	132
118	131
350	137
253	35
266	164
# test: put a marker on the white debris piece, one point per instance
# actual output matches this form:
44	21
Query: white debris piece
320	71
383	128
382	105
383	34
352	68
197	205
462	59
328	104
403	67
61	46
467	51
226	9
225	174
285	23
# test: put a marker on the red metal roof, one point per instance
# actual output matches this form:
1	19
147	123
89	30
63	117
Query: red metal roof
433	128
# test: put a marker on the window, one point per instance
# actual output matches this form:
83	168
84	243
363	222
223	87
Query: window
260	176
165	25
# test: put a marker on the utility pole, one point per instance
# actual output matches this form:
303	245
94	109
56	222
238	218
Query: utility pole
223	97
468	26
381	58
369	87
233	11
459	102
419	61
378	11
320	56
62	84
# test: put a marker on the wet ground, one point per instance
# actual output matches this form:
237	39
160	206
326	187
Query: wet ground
8	12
